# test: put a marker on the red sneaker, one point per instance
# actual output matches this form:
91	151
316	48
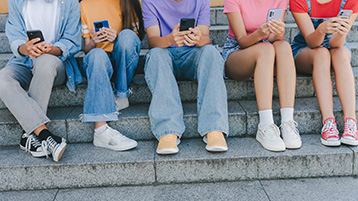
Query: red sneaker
350	135
330	134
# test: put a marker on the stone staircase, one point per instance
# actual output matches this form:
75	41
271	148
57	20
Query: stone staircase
84	165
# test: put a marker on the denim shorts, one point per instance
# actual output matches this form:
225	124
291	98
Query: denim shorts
230	46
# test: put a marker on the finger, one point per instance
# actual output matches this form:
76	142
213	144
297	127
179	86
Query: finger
188	44
187	39
35	53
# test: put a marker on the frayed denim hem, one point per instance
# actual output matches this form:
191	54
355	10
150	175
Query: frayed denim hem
122	94
87	118
45	121
179	134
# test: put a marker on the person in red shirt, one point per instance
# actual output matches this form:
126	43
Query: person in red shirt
320	45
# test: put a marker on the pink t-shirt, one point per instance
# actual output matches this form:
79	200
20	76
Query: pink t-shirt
253	12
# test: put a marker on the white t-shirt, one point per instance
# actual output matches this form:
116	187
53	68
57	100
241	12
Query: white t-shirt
40	15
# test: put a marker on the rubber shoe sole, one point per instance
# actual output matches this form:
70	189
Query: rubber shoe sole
59	151
351	142
115	148
270	147
293	145
34	153
167	151
216	148
331	143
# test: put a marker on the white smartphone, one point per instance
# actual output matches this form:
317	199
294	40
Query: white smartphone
274	14
346	14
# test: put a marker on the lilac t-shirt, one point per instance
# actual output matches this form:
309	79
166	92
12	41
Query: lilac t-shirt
167	13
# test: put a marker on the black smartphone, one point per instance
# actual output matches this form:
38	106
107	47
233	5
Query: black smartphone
32	34
186	23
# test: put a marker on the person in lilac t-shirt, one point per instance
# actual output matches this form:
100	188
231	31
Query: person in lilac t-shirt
184	55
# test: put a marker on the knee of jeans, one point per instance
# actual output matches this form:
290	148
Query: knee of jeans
47	65
127	39
97	61
153	57
209	51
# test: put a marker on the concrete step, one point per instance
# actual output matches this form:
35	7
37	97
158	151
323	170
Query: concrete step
134	121
236	90
263	190
84	165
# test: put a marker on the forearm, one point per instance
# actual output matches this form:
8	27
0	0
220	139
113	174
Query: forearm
337	40
89	46
204	40
247	41
162	42
315	39
23	51
56	51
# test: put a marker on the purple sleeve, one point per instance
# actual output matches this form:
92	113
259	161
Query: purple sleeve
204	13
148	10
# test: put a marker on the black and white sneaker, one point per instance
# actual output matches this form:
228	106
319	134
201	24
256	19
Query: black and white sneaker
54	145
31	143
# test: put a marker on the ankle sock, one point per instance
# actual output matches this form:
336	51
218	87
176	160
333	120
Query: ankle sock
266	118
286	114
100	129
44	134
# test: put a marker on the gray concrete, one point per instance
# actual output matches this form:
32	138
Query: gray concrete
246	160
3	18
250	190
43	195
328	189
82	165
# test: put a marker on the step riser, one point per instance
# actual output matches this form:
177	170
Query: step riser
236	90
243	120
218	36
245	160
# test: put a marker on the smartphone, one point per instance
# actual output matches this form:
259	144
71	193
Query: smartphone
32	34
274	14
186	23
346	14
99	24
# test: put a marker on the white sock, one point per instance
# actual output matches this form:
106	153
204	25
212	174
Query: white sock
266	118
286	114
100	129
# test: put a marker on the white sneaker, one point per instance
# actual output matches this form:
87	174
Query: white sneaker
113	139
269	138
290	135
121	103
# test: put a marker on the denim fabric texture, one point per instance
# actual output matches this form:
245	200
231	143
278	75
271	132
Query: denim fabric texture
299	41
68	38
204	65
100	67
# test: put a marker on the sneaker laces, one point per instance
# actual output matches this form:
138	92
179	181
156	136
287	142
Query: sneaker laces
330	129
293	126
116	134
350	128
265	131
49	144
31	141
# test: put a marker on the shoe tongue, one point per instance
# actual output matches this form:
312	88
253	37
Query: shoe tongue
329	121
350	121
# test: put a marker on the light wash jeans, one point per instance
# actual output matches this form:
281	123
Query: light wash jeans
205	65
99	67
29	108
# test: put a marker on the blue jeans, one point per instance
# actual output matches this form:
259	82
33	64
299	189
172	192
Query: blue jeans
99	67
205	65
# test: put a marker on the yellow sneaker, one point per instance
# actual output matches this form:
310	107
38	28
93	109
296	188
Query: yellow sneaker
215	142
168	144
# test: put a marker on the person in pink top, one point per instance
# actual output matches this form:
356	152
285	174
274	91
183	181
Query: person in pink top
256	48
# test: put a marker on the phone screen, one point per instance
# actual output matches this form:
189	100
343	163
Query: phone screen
32	34
346	14
99	24
186	23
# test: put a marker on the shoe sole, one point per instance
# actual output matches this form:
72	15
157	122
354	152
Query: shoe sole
167	151
33	153
331	143
270	148
349	142
216	148
114	148
293	146
59	151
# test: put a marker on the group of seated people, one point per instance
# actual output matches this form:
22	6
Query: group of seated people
113	30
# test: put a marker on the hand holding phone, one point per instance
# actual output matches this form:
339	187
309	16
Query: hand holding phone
186	23
274	14
32	34
100	24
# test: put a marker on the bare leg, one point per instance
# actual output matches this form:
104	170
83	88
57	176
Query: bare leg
318	62
99	124
344	80
257	61
285	73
